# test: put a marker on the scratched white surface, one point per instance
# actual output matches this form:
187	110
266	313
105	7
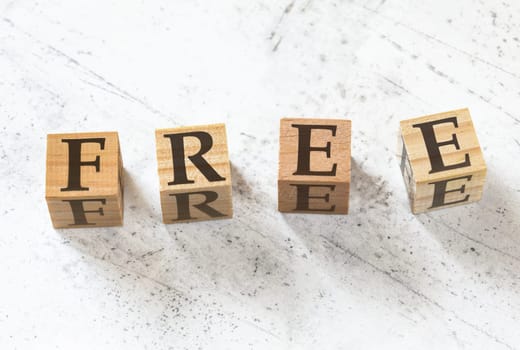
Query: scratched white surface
377	278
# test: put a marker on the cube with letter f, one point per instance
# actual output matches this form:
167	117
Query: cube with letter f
441	161
194	173
314	166
84	186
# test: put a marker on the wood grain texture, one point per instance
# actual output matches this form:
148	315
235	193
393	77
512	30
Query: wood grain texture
441	161
95	197
208	182
314	165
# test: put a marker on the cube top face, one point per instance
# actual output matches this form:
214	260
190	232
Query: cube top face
441	146
202	162
82	165
314	150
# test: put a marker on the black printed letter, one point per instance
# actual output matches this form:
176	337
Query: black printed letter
439	192
179	161
183	205
302	197
76	205
433	147
305	149
75	162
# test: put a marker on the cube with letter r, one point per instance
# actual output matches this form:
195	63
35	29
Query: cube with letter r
194	173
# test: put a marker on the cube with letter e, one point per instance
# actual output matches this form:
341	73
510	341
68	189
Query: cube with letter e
194	173
441	161
84	175
314	165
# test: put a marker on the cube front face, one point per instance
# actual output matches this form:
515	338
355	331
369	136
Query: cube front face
441	161
194	173
84	174
314	165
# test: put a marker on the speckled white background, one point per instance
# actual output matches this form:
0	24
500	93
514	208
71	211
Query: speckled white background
377	278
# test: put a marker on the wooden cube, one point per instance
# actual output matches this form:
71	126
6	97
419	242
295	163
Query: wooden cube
194	173
314	165
84	176
441	161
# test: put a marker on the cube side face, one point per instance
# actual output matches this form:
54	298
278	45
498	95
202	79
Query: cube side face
450	192
441	162
86	212
84	173
314	161
406	170
194	168
317	198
